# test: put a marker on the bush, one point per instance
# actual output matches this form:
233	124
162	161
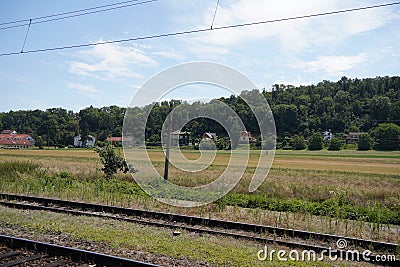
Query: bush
335	144
299	143
365	142
112	160
315	142
388	136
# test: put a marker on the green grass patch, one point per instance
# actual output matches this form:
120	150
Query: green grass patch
15	167
29	178
335	207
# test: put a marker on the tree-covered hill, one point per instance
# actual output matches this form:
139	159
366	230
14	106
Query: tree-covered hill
361	103
345	105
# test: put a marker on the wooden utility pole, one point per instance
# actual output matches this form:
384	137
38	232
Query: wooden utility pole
168	144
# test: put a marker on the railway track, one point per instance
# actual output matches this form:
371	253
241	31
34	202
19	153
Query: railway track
291	238
24	252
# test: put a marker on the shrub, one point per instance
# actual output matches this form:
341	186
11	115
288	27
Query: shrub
112	160
315	142
388	136
335	144
365	142
299	143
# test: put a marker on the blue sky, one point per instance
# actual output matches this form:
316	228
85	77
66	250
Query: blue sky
358	44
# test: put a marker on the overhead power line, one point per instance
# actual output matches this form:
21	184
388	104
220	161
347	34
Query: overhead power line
201	30
72	14
215	13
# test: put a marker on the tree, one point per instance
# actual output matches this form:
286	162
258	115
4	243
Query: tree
315	142
365	142
112	161
387	136
84	133
39	142
353	129
299	143
335	144
380	108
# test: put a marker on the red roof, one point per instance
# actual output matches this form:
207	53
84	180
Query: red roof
7	131
245	133
15	142
14	136
16	139
114	139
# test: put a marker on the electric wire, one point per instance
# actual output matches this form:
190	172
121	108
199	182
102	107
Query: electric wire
69	12
71	16
215	13
26	36
201	30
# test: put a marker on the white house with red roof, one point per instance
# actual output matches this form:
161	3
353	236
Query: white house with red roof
11	139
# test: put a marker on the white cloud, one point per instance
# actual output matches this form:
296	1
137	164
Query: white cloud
333	65
87	90
291	35
110	62
169	54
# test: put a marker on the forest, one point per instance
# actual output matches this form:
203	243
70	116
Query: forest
348	105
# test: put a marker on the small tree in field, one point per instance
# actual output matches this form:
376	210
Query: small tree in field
315	142
365	142
112	160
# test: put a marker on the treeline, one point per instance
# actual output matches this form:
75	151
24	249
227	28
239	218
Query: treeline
58	126
342	106
359	103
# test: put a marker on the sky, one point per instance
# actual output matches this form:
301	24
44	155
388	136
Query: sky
299	52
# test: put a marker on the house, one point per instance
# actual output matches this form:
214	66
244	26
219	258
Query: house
11	139
209	136
245	137
8	132
115	140
179	138
327	136
89	142
120	140
352	137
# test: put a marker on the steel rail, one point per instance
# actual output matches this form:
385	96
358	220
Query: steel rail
77	255
190	221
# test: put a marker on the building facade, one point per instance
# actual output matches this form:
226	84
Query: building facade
89	142
12	140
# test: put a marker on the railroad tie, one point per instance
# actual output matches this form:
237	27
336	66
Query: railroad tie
9	254
20	261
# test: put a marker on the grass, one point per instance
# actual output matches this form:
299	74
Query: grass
340	200
219	251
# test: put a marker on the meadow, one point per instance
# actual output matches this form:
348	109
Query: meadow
345	192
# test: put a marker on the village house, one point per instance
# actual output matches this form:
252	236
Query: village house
12	140
89	142
209	136
119	140
245	137
352	137
327	136
180	138
115	140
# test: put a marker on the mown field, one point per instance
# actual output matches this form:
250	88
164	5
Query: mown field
346	192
